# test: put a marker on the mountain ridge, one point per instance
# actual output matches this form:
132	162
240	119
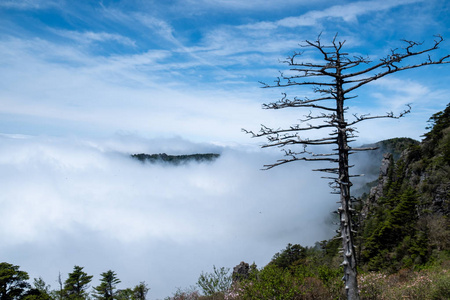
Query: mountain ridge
175	159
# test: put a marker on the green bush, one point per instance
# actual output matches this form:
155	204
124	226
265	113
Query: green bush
216	282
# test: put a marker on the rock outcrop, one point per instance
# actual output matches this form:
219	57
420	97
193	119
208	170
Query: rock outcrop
241	271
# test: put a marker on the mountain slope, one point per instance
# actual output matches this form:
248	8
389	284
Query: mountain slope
405	217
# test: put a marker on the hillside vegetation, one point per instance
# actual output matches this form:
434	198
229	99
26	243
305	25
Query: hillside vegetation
405	218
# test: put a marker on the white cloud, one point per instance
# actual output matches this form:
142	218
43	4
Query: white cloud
89	37
131	93
28	4
249	5
161	27
347	12
61	195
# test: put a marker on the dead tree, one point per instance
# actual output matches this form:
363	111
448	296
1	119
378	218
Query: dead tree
333	80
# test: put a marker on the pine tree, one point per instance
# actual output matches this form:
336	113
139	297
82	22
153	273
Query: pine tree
13	282
107	288
75	287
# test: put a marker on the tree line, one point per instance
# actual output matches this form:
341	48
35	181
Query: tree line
14	285
175	159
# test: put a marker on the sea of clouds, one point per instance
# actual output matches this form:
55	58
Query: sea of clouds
68	201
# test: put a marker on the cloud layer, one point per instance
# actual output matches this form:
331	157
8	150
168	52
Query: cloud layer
70	202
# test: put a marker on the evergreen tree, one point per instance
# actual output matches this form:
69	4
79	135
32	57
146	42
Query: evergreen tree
13	283
107	287
75	287
288	256
140	291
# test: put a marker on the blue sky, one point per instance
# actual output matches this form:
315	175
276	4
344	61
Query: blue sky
85	83
187	68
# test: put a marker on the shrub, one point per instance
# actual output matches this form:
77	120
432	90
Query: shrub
217	282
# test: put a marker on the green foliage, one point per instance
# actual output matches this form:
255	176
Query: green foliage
436	144
410	221
441	287
76	285
216	282
34	294
41	291
106	289
13	283
175	159
288	256
295	273
40	285
310	282
273	283
139	292
395	146
393	241
438	123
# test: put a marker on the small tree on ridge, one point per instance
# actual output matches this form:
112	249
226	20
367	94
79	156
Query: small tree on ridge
76	285
106	290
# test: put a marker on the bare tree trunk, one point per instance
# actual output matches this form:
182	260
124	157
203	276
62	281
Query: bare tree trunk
343	181
61	292
345	215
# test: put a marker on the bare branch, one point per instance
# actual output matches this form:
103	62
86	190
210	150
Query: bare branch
306	102
328	170
266	131
284	161
284	142
294	156
388	115
390	63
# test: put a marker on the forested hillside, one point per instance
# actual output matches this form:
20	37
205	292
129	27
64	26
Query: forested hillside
404	220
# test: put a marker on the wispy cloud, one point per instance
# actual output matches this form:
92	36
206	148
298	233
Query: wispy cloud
137	92
159	26
347	12
252	5
28	4
88	37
